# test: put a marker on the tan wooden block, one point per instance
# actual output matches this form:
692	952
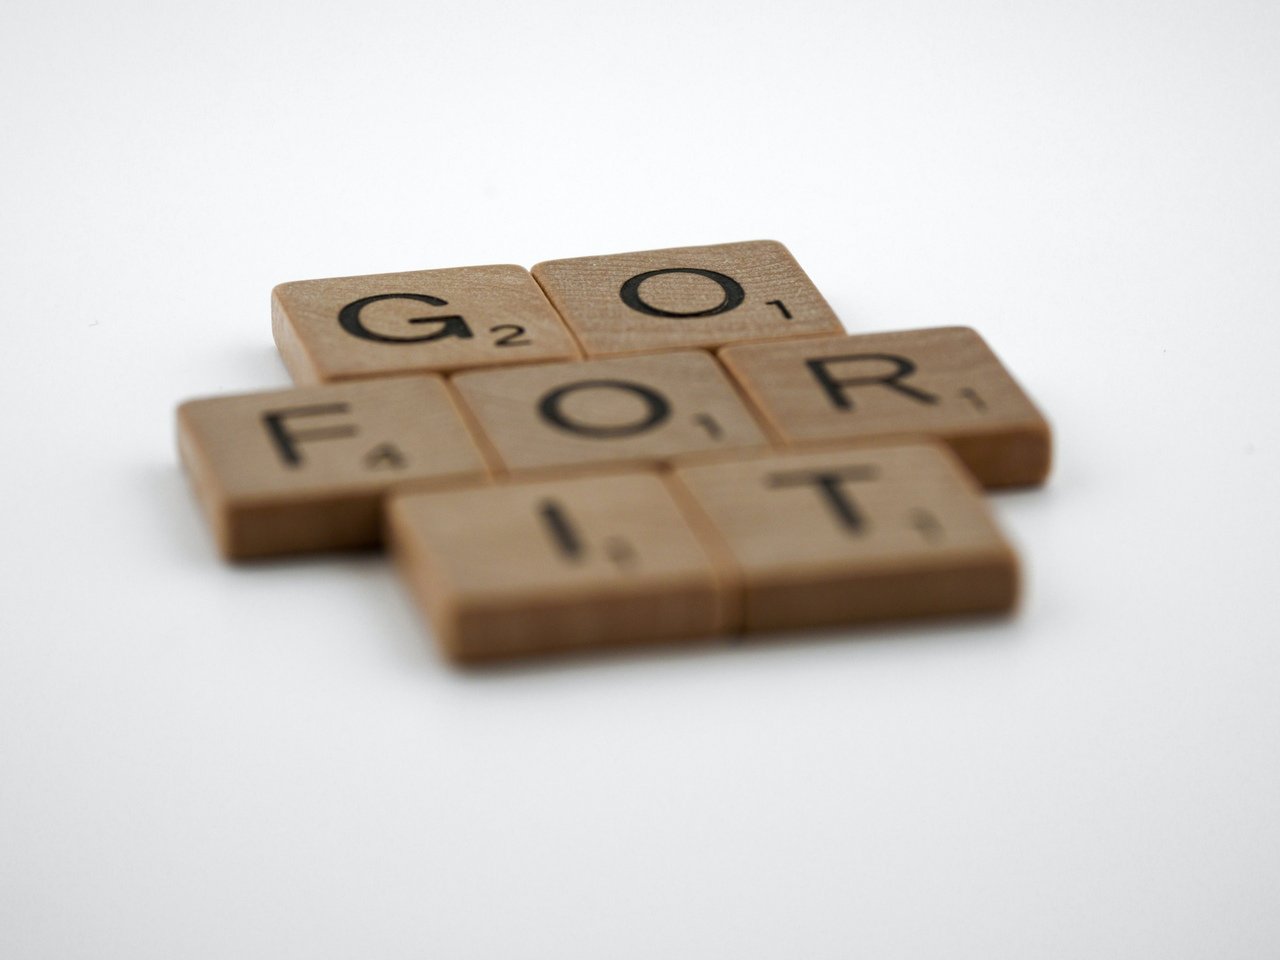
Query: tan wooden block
942	382
686	297
563	564
627	410
348	328
306	469
841	536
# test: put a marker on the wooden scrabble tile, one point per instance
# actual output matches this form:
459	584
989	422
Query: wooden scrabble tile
686	297
555	565
943	382
866	533
306	469
348	328
637	410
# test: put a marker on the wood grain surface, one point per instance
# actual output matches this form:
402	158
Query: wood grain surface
843	536
942	382
563	564
422	321
686	297
298	470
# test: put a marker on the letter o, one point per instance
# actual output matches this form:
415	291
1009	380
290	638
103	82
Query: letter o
659	409
733	293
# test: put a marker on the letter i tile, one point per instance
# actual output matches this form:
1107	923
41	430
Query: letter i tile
563	564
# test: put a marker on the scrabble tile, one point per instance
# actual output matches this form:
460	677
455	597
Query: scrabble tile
866	533
686	297
560	564
943	382
306	469
348	328
637	410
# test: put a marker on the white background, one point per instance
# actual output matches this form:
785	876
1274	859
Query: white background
201	761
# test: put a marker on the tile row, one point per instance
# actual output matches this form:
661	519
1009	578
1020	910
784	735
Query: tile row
443	321
761	542
306	468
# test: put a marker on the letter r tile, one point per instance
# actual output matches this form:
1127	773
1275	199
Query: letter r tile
944	383
348	328
306	469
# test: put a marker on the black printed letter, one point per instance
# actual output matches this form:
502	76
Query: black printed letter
836	388
287	443
829	486
563	534
658	409
450	326
733	293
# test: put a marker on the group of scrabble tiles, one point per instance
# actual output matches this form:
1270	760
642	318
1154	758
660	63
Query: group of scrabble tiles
623	449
